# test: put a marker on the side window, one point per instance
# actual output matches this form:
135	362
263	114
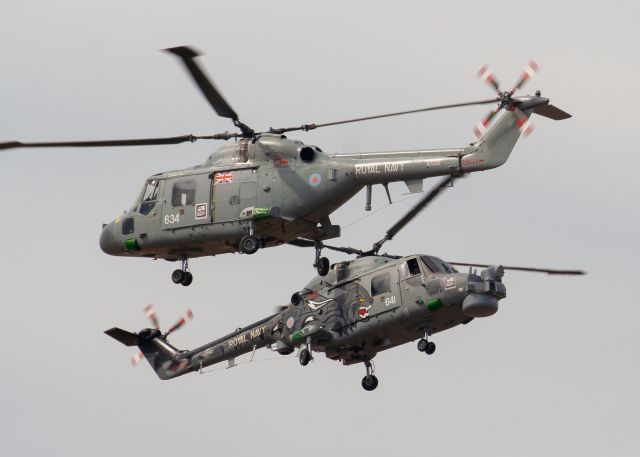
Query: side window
381	284
410	272
149	197
183	193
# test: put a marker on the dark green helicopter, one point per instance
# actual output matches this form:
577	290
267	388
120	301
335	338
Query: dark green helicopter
265	190
361	307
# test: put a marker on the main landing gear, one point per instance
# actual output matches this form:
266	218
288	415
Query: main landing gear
249	244
182	275
369	382
426	346
321	264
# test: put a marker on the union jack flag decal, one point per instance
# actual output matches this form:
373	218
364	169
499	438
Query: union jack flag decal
223	177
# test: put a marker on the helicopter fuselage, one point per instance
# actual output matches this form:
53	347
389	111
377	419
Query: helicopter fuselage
360	308
277	190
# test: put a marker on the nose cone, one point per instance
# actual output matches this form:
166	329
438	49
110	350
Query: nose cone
479	305
107	240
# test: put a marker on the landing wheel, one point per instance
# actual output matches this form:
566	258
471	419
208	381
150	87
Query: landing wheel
249	244
304	357
187	279
431	348
422	345
322	266
177	276
369	382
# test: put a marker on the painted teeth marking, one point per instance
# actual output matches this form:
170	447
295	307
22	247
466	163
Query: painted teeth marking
317	304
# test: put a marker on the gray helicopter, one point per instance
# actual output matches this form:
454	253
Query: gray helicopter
266	190
361	307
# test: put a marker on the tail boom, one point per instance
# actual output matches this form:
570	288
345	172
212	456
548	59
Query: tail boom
169	362
491	151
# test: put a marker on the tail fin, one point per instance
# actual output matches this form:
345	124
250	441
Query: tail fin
165	359
552	112
495	147
126	338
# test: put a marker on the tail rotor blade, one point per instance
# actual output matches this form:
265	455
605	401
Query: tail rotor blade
152	316
524	124
530	70
487	76
186	317
482	126
135	360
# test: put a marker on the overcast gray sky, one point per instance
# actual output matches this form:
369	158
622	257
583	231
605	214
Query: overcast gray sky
554	372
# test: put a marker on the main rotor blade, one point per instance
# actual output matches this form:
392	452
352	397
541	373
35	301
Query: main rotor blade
548	271
301	242
346	250
103	143
419	206
210	92
307	127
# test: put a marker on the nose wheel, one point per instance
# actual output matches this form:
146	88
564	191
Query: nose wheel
370	381
182	275
305	354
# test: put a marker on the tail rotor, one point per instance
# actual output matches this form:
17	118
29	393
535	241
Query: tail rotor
151	314
505	99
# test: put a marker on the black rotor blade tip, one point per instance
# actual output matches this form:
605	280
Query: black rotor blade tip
185	52
10	144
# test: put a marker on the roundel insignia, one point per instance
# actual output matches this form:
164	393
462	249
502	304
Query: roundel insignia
315	179
290	322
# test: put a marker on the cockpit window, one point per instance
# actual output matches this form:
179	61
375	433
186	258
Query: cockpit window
183	193
437	265
149	197
413	267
